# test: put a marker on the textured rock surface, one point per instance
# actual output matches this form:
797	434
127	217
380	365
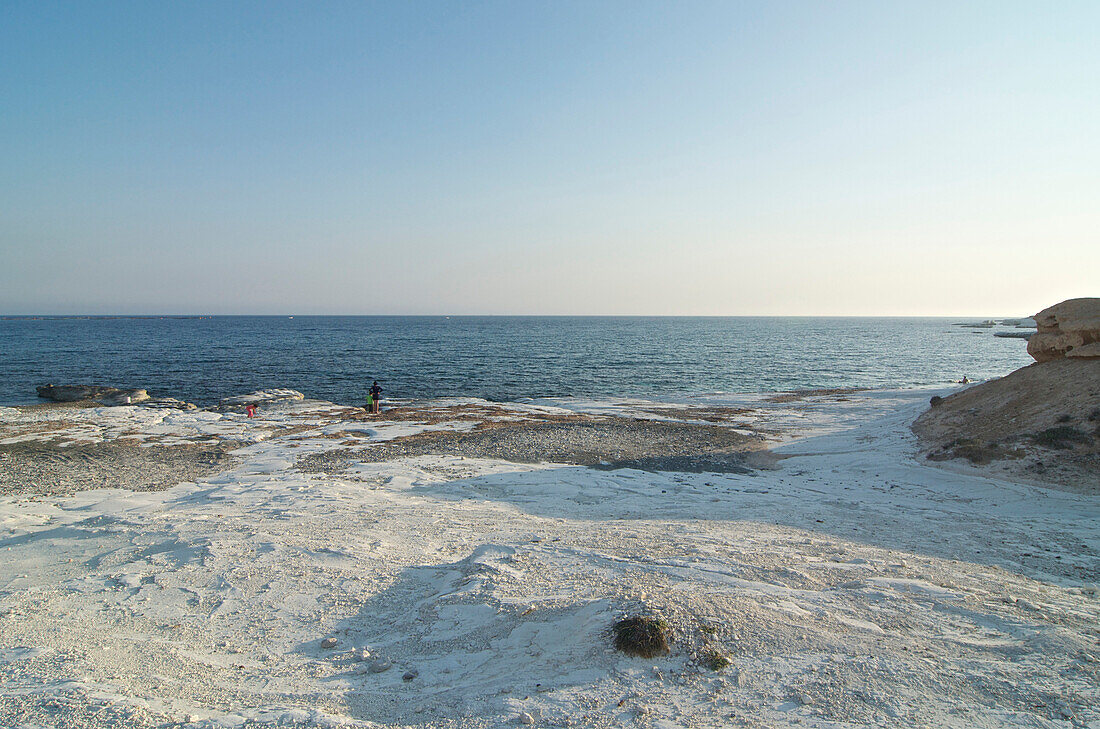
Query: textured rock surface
169	403
1068	329
260	397
108	395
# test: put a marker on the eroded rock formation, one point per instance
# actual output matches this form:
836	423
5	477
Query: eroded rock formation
106	395
1040	422
1068	329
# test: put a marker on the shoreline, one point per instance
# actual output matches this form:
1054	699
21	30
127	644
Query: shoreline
846	581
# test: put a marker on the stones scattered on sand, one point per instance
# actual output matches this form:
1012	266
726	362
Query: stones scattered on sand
380	665
714	659
1068	329
329	643
620	442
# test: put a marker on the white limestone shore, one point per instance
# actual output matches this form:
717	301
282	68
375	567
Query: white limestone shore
850	584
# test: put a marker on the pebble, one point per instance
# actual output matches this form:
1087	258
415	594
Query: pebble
379	666
525	718
410	675
329	643
362	654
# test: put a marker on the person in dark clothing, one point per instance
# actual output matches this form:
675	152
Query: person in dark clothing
375	396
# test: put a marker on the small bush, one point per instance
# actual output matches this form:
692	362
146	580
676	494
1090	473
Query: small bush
978	453
641	636
1062	437
714	659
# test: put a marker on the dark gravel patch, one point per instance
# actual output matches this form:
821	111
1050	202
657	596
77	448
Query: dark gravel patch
610	443
37	468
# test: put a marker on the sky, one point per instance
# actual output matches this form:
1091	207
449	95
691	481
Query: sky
668	158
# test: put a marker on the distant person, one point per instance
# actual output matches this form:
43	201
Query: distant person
374	396
965	380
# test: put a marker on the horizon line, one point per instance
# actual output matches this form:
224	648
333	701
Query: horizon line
517	316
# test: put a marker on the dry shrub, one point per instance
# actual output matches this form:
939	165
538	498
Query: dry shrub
644	637
714	659
1062	437
976	452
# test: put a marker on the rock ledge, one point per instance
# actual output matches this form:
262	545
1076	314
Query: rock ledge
1068	329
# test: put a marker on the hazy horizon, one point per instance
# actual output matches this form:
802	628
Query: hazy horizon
201	315
558	159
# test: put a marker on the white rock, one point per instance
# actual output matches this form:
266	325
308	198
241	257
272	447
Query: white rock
380	665
276	394
525	718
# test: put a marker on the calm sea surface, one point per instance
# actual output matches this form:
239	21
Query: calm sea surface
500	358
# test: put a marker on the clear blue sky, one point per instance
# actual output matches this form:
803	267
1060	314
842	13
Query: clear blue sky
549	158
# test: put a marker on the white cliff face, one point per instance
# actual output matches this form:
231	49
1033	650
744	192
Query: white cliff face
1068	329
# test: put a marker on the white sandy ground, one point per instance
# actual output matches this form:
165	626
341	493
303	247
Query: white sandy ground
855	585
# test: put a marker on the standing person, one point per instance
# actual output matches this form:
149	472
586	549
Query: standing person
375	396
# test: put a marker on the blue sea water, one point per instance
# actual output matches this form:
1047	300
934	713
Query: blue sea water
499	358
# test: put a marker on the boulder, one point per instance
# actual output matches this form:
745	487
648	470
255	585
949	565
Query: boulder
105	395
1068	329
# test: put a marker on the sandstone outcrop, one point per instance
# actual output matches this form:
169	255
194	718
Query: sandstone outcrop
105	395
1068	329
1041	422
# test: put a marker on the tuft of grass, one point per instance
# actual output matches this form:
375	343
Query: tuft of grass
645	637
714	659
1062	437
975	451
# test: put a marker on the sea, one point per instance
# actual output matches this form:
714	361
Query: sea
503	358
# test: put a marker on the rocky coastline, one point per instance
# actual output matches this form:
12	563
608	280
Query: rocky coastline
1041	422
